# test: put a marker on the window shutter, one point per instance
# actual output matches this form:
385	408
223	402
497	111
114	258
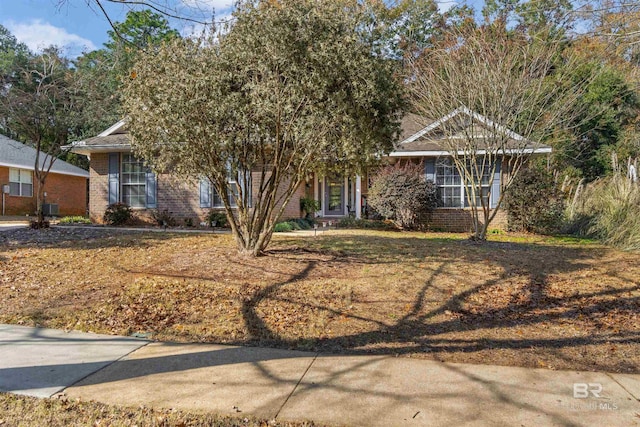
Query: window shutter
152	192
495	188
205	193
430	169
114	177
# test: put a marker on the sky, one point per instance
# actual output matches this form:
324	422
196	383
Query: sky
78	26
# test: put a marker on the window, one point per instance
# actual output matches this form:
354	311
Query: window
134	180
451	189
209	197
484	184
20	182
449	183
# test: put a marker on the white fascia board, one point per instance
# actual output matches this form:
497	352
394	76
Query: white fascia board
113	128
543	150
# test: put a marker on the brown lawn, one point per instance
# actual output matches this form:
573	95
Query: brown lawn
516	300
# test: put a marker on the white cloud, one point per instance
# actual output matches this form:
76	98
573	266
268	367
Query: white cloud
219	5
37	35
444	5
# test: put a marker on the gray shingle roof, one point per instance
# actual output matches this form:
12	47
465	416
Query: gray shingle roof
423	135
17	155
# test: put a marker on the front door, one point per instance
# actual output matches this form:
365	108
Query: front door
334	196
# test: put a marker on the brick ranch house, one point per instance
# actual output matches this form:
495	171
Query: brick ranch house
65	186
117	176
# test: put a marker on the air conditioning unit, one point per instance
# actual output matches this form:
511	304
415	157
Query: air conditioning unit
50	209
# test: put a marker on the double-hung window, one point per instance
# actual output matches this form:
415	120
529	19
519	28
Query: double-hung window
134	181
20	182
449	184
209	197
452	192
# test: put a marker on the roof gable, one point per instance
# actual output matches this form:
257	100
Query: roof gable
430	139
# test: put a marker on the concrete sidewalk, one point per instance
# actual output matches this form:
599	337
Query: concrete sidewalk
292	385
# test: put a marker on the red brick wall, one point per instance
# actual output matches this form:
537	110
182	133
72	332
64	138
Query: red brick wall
69	192
179	196
461	221
98	185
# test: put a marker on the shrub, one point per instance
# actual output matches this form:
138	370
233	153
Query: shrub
37	225
608	209
293	224
118	214
309	206
217	219
282	227
534	202
367	224
402	194
163	217
74	220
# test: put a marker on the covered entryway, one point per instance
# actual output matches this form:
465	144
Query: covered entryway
339	196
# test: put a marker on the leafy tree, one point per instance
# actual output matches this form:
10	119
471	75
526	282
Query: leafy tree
292	88
401	193
404	27
535	203
13	54
513	83
100	74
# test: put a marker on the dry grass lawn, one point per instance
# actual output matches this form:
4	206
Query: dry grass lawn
31	411
516	300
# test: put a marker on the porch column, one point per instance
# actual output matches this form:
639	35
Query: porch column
358	197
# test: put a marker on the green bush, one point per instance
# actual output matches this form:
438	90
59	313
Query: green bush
534	202
401	193
218	218
163	218
282	227
309	206
74	220
293	225
367	224
118	214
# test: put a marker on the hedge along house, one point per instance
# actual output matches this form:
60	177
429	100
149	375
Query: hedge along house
117	176
65	186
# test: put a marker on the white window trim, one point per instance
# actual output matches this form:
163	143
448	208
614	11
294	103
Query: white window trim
463	187
20	182
123	184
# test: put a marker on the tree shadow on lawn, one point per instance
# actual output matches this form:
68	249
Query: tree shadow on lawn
85	238
443	330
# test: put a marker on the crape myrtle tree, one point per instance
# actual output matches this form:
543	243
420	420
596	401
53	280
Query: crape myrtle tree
293	87
499	80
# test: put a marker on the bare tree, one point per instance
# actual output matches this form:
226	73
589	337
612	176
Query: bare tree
39	107
499	93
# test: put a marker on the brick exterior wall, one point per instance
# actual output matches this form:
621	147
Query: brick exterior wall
178	196
461	221
68	192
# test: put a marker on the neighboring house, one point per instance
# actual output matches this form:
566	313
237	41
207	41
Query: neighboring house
65	186
117	176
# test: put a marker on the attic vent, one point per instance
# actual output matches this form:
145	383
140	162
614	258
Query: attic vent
50	209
